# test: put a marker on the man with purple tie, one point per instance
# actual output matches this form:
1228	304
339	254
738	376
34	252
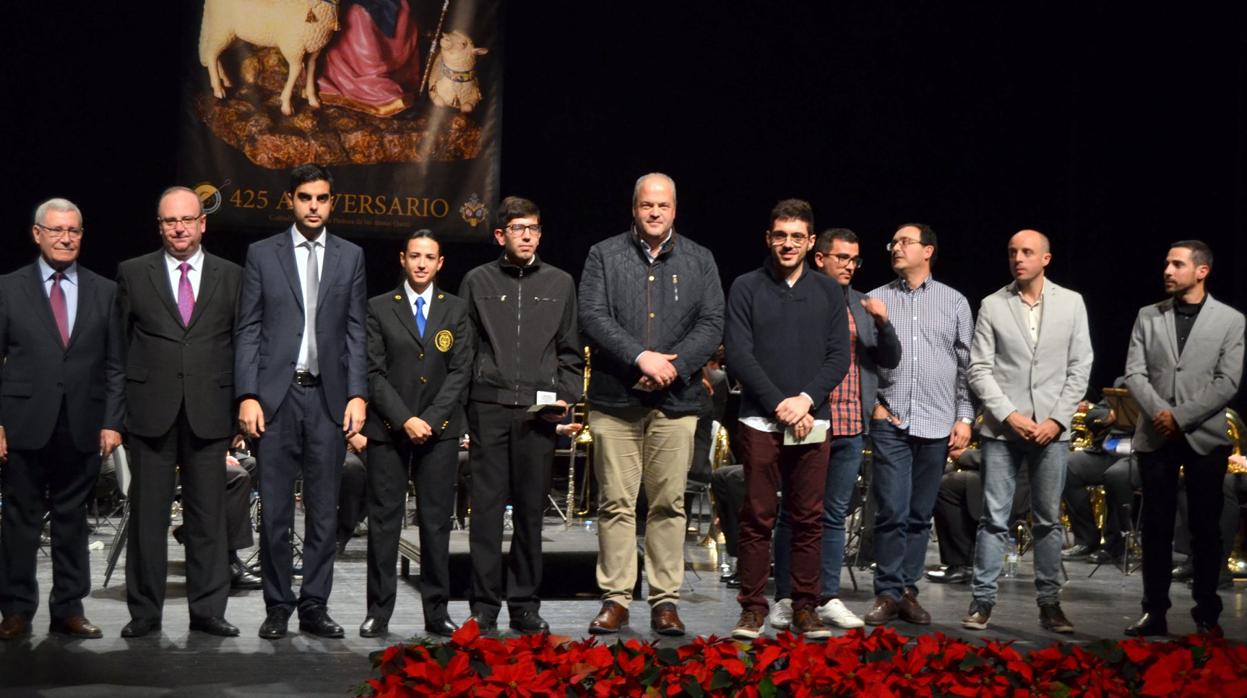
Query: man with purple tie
176	308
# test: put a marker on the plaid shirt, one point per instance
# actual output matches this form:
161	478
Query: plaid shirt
846	399
929	391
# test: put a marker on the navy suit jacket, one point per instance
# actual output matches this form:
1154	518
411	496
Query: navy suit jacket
39	373
270	324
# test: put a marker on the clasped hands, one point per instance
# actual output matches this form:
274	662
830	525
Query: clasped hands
795	412
1040	434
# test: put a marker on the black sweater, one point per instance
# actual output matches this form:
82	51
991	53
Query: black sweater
783	341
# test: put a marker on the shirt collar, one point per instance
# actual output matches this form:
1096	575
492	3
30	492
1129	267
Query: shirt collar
46	271
412	295
903	285
196	260
1015	290
664	247
297	238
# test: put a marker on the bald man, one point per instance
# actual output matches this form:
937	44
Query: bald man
1029	364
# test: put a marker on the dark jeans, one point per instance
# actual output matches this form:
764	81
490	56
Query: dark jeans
800	472
1205	476
843	465
907	471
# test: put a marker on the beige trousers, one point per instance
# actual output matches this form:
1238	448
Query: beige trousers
632	447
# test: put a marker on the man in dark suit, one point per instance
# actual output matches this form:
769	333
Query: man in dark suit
419	365
60	408
176	309
301	377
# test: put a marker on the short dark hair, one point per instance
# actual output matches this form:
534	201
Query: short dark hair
1201	253
514	207
828	237
422	234
926	236
797	209
310	172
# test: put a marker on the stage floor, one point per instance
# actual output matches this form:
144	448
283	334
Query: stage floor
177	662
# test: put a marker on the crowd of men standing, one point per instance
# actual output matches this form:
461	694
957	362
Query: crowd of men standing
187	350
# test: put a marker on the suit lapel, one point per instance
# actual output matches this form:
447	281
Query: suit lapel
1171	332
406	315
1014	300
158	274
209	279
39	299
437	313
285	260
333	251
86	306
1207	318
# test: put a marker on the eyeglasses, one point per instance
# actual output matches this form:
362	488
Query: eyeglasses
846	260
902	243
519	228
172	223
779	237
58	233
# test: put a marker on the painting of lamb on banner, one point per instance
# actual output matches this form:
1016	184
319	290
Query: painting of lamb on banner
454	74
297	28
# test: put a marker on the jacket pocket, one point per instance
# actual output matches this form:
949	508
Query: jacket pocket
137	374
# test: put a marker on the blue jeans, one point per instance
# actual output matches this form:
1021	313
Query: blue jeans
907	472
1046	469
843	465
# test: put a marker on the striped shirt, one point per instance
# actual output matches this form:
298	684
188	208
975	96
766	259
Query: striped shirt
846	399
928	391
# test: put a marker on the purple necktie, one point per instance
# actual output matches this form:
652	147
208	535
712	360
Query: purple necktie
186	294
57	297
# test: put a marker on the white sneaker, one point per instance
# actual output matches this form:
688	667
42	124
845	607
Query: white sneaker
780	616
835	613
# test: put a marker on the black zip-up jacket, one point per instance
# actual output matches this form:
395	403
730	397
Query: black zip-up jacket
526	335
628	304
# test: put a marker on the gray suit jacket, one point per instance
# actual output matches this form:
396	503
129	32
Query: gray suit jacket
1043	380
1195	386
877	346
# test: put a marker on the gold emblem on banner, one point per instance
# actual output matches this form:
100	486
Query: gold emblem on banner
444	341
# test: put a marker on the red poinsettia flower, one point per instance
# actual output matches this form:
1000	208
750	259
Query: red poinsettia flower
430	679
1168	674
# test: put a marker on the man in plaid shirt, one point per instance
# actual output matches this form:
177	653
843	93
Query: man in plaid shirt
922	409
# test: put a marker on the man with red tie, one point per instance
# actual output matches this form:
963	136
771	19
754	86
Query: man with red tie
60	410
176	308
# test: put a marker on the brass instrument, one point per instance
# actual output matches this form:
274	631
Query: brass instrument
719	455
582	442
1080	434
1235	430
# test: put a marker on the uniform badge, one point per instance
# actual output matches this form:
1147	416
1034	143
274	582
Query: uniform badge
444	341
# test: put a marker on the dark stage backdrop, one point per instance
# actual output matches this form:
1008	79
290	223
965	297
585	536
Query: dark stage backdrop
1113	129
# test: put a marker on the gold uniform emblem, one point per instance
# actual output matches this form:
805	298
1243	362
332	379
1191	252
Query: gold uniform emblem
444	341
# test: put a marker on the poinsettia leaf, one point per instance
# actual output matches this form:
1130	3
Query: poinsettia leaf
766	687
443	654
720	680
692	688
668	656
971	661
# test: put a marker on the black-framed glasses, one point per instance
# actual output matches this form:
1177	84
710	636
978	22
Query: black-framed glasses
172	222
519	228
59	232
846	259
902	243
779	237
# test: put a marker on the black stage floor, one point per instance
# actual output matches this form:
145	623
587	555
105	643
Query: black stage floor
180	663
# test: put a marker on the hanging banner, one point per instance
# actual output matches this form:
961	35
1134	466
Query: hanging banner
400	99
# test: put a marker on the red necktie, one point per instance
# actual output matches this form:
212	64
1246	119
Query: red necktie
59	311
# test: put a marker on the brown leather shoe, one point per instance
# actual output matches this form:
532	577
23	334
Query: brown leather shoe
664	619
75	626
612	617
884	610
14	627
911	611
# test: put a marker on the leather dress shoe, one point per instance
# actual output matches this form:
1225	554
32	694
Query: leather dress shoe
139	627
884	610
612	617
274	625
1148	624
911	611
374	627
14	626
529	622
243	578
75	626
733	582
1078	552
664	619
214	626
952	574
316	621
1184	572
440	626
487	624
1104	556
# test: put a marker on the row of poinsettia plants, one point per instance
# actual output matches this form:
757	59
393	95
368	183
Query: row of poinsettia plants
883	663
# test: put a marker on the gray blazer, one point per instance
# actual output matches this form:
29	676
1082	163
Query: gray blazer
1195	386
1043	380
877	346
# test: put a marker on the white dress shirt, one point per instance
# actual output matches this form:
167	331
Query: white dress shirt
194	273
412	296
300	266
69	287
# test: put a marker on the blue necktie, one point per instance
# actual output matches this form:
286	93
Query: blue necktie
420	316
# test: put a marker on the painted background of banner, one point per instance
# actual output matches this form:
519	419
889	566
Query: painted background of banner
412	142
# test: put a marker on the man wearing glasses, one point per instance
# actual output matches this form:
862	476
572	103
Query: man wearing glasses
527	356
872	344
652	307
787	342
175	307
922	409
61	409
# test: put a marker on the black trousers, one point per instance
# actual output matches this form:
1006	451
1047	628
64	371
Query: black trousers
728	485
155	463
237	508
1205	475
300	437
955	524
433	466
57	478
511	453
352	496
1118	475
